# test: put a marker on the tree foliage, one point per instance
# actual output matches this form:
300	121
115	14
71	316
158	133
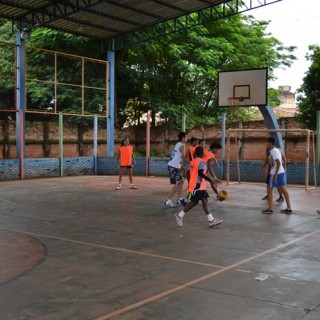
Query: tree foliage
168	76
309	93
178	73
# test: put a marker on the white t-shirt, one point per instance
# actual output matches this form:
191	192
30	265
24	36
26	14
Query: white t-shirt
176	156
274	155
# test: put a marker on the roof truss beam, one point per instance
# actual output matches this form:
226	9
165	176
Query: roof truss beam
214	12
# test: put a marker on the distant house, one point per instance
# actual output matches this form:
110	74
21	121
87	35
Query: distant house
287	107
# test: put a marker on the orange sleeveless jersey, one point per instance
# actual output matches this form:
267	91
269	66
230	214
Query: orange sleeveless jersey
191	152
126	155
194	167
207	155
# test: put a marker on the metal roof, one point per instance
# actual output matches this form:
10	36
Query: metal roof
109	19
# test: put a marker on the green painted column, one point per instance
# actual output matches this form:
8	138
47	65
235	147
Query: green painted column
61	143
183	122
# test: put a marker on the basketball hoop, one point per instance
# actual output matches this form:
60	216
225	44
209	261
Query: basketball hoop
236	101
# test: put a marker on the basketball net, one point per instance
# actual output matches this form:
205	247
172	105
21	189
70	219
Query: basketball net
236	101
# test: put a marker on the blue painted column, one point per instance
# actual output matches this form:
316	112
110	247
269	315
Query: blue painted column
61	156
272	123
20	101
111	101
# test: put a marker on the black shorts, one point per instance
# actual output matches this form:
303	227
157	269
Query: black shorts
198	195
175	175
128	167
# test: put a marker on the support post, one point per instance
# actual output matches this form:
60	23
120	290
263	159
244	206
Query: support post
20	101
111	103
148	144
228	158
307	160
183	127
61	143
272	123
318	148
223	143
95	143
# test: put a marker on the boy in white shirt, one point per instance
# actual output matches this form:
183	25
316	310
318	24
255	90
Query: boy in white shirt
175	167
276	178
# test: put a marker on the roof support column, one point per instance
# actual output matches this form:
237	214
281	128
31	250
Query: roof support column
20	100
272	123
111	103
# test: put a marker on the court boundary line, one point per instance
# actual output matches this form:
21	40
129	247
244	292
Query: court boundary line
116	248
193	282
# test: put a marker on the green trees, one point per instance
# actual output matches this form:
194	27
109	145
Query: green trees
178	74
309	93
169	76
7	69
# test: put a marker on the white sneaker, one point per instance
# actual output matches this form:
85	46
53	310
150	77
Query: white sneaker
179	220
169	203
118	187
215	222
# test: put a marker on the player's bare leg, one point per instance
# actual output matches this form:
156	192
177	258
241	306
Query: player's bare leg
287	198
121	174
130	175
270	199
120	178
180	188
212	221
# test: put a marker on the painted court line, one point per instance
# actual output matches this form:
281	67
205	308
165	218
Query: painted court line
288	278
198	280
116	249
244	271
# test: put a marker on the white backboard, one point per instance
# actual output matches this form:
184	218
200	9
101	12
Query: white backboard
243	88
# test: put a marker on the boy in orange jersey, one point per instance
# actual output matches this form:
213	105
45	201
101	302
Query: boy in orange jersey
193	144
197	189
209	158
126	159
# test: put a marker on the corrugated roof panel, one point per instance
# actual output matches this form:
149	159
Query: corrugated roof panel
100	21
80	29
95	18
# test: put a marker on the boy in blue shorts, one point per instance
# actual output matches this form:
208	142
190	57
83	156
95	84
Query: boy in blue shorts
175	167
276	177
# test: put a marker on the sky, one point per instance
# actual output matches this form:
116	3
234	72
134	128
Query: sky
294	23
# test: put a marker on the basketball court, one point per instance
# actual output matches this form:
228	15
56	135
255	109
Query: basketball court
74	248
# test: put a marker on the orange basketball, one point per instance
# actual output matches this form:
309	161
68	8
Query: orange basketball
223	195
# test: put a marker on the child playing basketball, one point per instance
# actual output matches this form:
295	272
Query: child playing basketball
209	158
126	158
175	167
276	177
197	189
268	165
193	144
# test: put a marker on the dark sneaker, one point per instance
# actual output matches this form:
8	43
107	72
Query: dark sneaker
318	211
215	222
280	199
183	202
267	211
287	211
265	198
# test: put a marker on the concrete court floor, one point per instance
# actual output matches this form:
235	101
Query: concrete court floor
74	248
